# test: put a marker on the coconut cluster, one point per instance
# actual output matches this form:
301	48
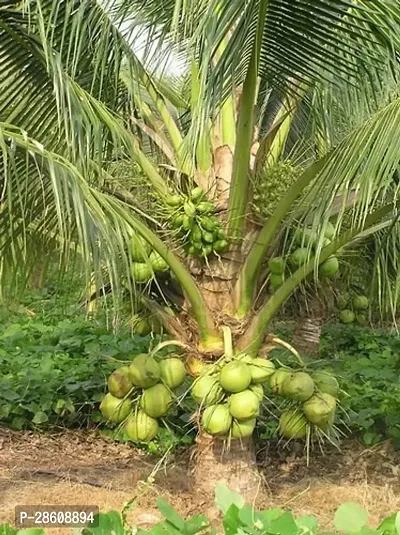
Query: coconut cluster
230	395
353	309
304	240
314	400
141	393
147	261
194	223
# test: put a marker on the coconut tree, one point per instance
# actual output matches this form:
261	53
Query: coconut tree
80	114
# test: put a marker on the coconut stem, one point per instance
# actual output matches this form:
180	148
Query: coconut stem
290	348
228	346
161	345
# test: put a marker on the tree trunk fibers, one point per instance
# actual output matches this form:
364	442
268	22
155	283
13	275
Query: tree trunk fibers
307	335
235	466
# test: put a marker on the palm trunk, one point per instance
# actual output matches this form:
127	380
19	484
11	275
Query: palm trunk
307	332
234	465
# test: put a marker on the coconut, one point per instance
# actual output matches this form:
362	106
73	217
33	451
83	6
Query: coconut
276	280
157	262
277	265
342	301
216	420
141	428
142	326
330	267
144	371
173	372
141	272
298	386
261	369
206	390
326	383
361	319
305	237
156	400
140	248
119	383
347	316
360	302
114	409
277	380
244	405
243	429
235	376
319	408
329	230
293	424
299	257
258	391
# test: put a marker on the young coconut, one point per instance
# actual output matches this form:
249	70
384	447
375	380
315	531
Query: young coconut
298	386
347	316
277	265
243	429
216	420
261	369
114	409
119	383
206	390
244	405
235	376
276	280
140	248
360	302
157	262
299	257
293	424
141	428
173	372
329	268
141	273
142	326
277	380
258	391
326	383
156	400
319	409
144	371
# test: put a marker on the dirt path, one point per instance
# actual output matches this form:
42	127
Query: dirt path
83	468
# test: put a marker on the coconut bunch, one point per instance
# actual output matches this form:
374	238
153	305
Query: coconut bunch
303	240
229	395
147	262
193	221
141	393
313	401
353	309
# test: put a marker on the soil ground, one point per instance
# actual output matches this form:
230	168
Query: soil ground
84	468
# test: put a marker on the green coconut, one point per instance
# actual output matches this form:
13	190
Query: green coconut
196	194
361	319
141	273
220	246
235	376
277	265
277	380
244	405
157	262
243	429
319	409
142	326
329	230
299	257
342	301
119	383
144	371
156	400
326	383
216	420
261	370
258	391
298	386
347	316
360	302
140	427
140	248
276	280
206	390
114	409
305	237
329	268
293	424
173	372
